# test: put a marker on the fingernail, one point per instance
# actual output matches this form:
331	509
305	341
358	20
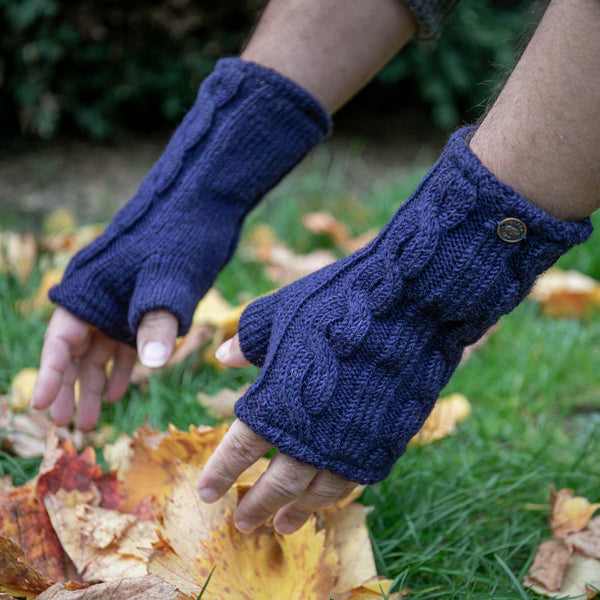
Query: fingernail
285	528
244	526
224	350
154	354
208	494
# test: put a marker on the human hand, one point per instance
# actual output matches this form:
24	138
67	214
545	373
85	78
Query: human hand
74	350
289	491
354	356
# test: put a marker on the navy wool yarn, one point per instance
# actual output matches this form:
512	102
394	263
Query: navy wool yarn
248	127
354	356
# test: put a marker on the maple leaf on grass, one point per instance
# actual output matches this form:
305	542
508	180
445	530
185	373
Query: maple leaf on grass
149	587
569	513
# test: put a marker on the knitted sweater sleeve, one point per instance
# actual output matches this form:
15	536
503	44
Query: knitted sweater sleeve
430	15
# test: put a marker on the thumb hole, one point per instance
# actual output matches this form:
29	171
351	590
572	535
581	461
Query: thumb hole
230	354
156	337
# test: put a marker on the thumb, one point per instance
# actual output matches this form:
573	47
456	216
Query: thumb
230	354
156	338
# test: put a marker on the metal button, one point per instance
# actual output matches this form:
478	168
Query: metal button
511	230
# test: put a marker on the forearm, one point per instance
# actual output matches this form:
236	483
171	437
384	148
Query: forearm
542	135
332	48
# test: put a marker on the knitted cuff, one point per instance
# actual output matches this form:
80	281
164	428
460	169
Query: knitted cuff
357	353
248	127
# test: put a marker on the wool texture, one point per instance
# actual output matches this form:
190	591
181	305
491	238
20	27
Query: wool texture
248	127
354	356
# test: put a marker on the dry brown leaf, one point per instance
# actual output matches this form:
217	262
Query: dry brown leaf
40	301
371	590
220	405
581	576
149	587
324	223
446	414
152	468
18	254
251	567
348	530
549	565
566	293
21	389
285	267
17	576
587	541
103	544
569	513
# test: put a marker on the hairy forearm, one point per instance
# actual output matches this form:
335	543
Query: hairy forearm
542	136
332	48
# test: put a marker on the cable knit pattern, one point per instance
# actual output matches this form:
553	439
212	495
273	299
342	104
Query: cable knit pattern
355	355
248	127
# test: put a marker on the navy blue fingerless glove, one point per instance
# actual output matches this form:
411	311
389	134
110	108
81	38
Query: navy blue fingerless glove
355	355
248	127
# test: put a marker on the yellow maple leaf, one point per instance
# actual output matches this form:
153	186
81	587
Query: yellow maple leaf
569	513
444	417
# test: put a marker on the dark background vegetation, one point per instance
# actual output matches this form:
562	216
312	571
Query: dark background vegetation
98	68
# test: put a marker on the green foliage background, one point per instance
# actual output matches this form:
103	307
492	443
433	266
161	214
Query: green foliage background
100	66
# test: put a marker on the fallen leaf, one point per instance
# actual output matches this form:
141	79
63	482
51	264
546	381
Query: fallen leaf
220	405
23	520
350	537
569	513
149	587
69	241
60	220
17	576
566	293
187	523
371	590
39	301
549	566
102	543
18	254
587	541
581	576
151	470
21	389
324	223
285	267
444	417
250	567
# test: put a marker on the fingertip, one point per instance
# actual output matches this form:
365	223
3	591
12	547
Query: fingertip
230	354
156	338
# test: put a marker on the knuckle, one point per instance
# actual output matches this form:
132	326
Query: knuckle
284	489
239	449
322	491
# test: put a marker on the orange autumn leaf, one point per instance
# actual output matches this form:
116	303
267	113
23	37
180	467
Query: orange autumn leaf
442	421
150	470
569	513
566	293
372	590
24	521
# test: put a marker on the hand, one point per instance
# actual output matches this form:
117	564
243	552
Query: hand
74	350
289	490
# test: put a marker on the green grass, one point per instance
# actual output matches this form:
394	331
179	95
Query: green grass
458	519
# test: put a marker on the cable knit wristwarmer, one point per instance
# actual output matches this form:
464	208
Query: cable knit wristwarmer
354	355
248	127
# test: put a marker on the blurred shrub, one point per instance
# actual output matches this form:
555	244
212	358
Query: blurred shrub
97	66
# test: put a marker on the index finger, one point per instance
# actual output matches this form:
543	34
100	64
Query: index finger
66	338
239	449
